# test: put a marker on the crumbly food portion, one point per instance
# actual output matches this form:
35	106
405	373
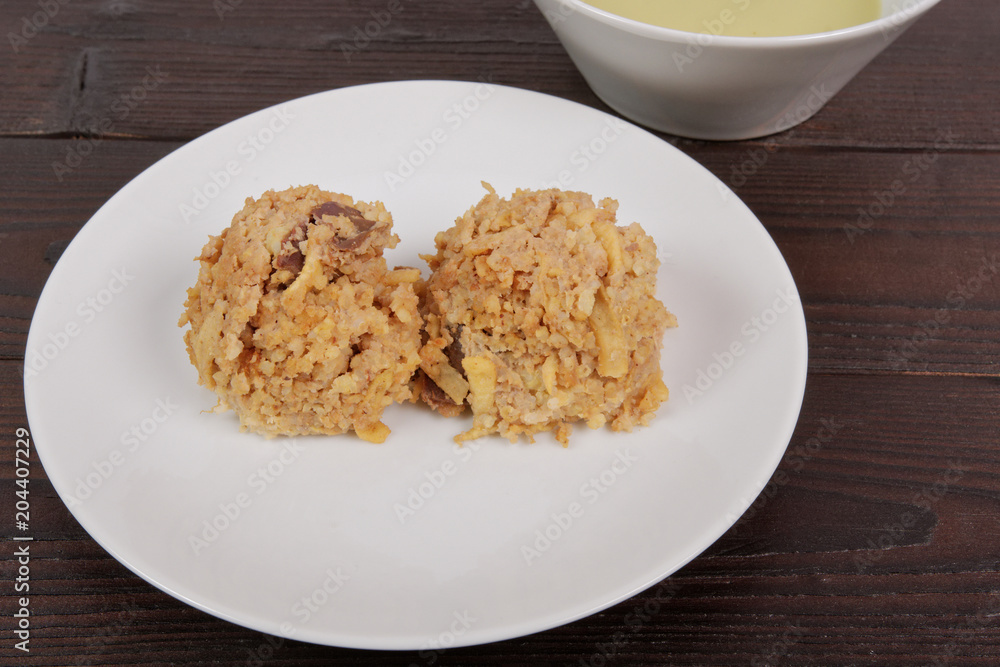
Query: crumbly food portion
541	311
296	321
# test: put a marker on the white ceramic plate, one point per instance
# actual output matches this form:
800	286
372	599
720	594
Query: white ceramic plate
416	543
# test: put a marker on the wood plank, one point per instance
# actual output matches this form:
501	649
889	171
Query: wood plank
875	338
904	192
894	291
873	544
86	68
252	58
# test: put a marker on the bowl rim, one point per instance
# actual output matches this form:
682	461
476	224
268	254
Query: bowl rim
908	11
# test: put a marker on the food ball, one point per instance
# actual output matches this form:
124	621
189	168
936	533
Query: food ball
295	320
541	311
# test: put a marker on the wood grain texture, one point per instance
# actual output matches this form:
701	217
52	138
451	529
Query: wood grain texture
877	540
915	287
75	72
875	543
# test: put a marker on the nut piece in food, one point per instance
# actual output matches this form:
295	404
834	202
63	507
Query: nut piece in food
541	311
296	322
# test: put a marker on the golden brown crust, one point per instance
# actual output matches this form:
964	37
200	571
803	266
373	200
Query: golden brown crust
296	322
550	309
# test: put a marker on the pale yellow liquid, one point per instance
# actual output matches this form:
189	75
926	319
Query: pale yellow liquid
747	18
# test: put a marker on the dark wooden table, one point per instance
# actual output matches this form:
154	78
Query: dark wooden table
878	540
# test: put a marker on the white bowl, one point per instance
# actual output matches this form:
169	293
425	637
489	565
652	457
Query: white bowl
717	87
